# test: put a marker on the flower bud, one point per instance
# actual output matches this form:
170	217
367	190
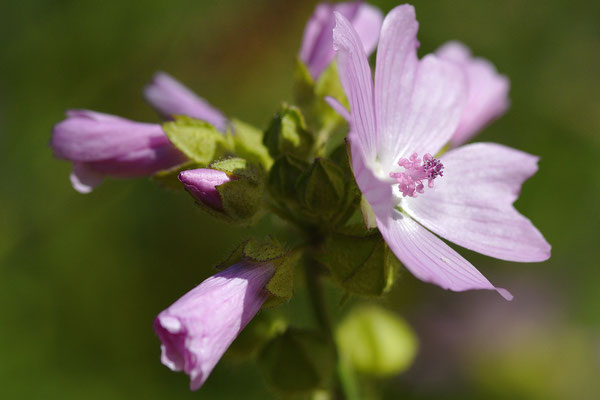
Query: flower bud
169	97
199	327
202	184
231	189
317	43
101	144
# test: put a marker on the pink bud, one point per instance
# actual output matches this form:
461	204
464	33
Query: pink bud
101	144
202	184
199	327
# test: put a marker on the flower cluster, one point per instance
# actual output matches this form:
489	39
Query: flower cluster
365	200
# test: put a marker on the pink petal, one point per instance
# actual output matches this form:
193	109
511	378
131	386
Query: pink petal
197	329
367	23
84	179
91	136
488	91
169	97
471	205
317	47
394	74
429	258
355	75
418	103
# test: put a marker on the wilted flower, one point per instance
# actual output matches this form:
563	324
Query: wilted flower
101	144
202	184
317	45
414	109
169	97
199	327
487	94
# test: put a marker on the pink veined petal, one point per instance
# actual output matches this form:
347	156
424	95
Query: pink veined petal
394	74
471	205
430	259
488	91
169	97
355	75
317	47
367	23
84	179
91	136
141	162
377	192
436	105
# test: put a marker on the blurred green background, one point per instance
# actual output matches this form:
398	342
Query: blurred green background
82	276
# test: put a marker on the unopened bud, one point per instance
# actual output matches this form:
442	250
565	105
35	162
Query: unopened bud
202	184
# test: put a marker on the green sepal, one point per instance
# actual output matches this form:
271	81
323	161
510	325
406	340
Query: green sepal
298	361
198	140
284	176
287	134
376	341
248	143
322	187
269	251
362	265
168	178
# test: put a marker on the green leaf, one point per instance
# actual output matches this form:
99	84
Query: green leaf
298	362
361	265
198	140
376	341
248	142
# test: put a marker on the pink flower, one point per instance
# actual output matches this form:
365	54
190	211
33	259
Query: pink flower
487	95
199	327
317	45
397	124
101	144
202	184
169	97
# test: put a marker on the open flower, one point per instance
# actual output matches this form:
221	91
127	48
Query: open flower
317	45
199	327
169	97
487	91
398	125
101	144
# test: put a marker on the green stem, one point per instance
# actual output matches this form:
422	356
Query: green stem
345	385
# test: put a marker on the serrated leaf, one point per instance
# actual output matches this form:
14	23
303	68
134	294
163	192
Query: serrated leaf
198	140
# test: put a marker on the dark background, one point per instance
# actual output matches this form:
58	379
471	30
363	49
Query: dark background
82	276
